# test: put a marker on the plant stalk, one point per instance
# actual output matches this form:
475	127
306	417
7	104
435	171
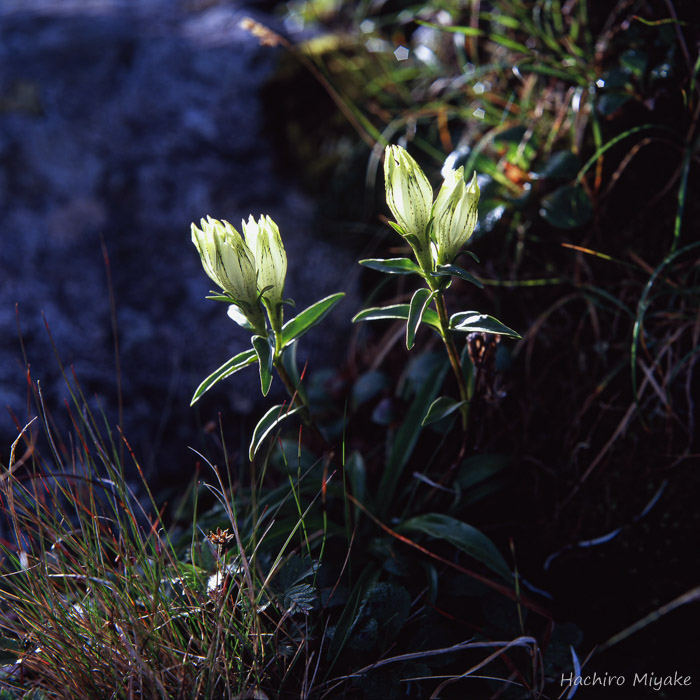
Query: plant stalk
296	397
453	355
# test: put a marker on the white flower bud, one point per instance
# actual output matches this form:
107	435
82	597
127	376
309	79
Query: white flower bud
263	239
455	214
408	192
227	260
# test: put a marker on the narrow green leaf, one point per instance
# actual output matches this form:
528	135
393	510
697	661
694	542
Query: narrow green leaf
610	144
502	19
467	31
474	322
243	359
660	22
357	472
262	350
419	302
397	228
457	271
289	361
268	422
643	306
392	266
442	407
470	253
413	240
407	435
351	612
308	318
542	69
465	537
396	311
220	297
510	43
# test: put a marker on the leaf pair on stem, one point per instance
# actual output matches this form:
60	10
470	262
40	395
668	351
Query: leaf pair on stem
251	270
436	231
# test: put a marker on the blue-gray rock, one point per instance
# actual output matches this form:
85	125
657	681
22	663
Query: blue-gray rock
120	123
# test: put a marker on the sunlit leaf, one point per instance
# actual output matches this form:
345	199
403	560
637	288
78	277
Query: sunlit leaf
510	43
243	359
268	422
474	322
392	266
467	31
421	298
262	350
308	318
457	271
235	314
396	311
220	297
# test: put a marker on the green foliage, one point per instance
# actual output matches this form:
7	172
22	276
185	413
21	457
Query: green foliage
462	536
236	363
474	322
307	319
396	311
442	407
360	550
272	418
100	598
393	266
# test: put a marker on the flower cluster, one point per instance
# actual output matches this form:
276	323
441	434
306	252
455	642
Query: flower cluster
435	230
249	269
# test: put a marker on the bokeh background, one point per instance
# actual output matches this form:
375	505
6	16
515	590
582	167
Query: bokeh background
123	121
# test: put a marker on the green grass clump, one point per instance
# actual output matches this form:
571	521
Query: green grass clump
100	599
286	586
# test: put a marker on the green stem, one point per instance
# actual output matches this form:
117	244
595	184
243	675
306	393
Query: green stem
453	355
426	264
288	384
294	393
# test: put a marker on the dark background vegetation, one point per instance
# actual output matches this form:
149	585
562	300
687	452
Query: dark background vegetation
590	448
127	123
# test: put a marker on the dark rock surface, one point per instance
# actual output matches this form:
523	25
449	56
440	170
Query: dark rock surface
124	121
